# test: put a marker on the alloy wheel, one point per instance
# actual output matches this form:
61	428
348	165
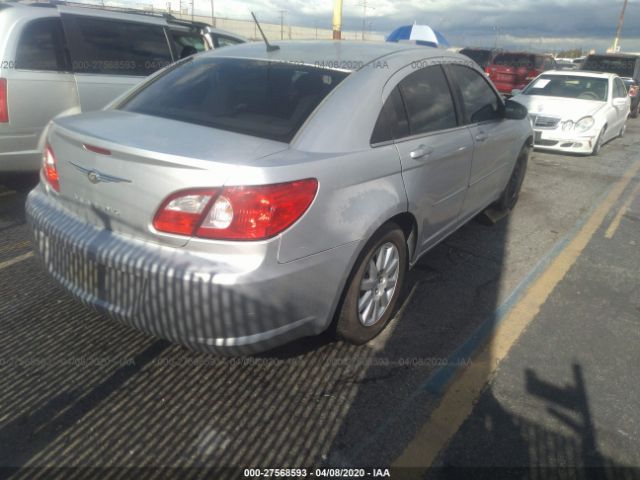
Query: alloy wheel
378	284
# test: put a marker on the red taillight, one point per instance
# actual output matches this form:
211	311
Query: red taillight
236	213
4	107
50	168
182	212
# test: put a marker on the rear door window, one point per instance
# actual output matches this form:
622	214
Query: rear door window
113	47
41	46
392	123
428	101
260	98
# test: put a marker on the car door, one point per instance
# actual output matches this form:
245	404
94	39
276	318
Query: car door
39	87
109	55
620	108
493	137
435	155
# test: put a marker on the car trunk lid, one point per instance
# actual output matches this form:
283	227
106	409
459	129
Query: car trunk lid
117	167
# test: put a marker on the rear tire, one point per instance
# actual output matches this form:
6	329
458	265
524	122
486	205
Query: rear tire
374	286
511	192
634	111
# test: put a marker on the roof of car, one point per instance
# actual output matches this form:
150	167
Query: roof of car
334	54
122	13
580	73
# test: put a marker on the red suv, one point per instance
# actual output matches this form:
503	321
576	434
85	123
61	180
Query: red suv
511	70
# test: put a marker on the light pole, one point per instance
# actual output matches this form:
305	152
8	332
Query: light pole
282	12
337	19
364	4
213	17
616	40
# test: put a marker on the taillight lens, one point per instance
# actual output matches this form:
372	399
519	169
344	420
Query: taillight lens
50	168
4	107
236	213
182	212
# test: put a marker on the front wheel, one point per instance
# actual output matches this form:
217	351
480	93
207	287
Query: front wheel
599	141
511	192
374	287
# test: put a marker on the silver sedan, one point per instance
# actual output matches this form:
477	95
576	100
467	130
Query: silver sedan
243	198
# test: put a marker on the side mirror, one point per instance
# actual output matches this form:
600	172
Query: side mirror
516	91
619	102
514	110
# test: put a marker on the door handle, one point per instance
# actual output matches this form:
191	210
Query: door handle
421	151
481	137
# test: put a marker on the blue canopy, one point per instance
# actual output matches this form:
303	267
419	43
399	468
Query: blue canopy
418	34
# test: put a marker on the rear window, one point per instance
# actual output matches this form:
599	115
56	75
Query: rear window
514	60
264	99
622	66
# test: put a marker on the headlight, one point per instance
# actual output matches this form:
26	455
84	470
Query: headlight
584	124
567	125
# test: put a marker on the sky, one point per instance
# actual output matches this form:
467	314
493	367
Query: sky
545	25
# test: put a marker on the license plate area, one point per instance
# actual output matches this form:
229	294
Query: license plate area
537	135
93	280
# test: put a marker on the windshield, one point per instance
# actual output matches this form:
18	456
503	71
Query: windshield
569	86
621	66
255	97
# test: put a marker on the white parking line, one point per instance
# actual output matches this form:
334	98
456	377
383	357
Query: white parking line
6	193
15	260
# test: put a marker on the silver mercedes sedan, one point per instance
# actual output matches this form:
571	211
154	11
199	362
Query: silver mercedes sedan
243	198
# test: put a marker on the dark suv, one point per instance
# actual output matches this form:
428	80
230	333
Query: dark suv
514	70
626	66
482	56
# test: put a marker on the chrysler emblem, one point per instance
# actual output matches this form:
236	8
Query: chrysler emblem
95	176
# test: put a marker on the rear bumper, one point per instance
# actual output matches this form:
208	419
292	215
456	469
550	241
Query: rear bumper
185	297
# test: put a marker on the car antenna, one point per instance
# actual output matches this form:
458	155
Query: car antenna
270	48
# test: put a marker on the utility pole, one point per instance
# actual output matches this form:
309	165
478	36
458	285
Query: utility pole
616	40
192	3
337	19
364	4
282	12
213	18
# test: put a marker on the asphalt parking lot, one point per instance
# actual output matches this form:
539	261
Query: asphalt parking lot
78	390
